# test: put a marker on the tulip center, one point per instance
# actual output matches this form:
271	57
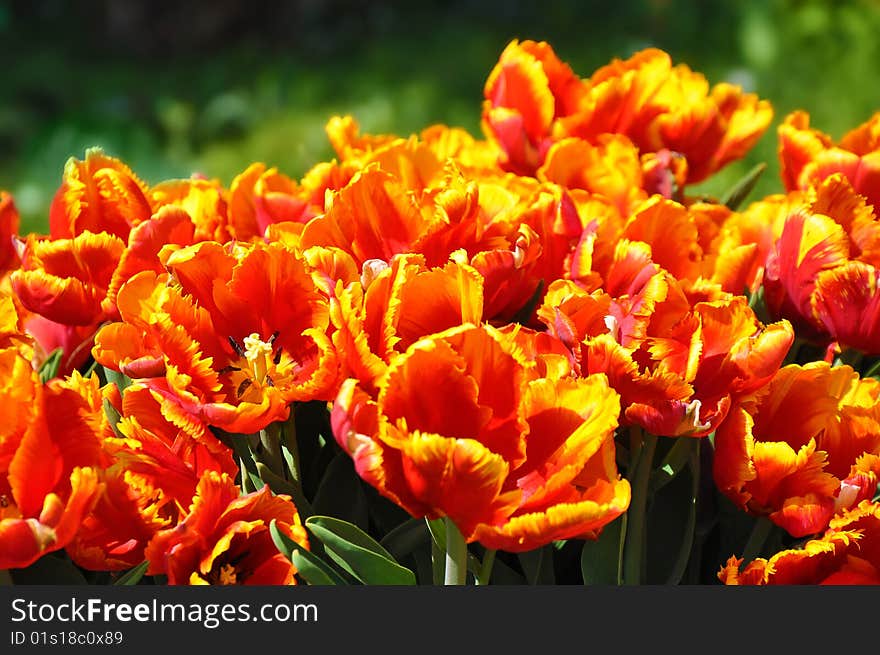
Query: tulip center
259	355
227	575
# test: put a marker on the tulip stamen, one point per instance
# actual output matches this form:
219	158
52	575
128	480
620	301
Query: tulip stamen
258	353
261	356
243	387
227	575
236	347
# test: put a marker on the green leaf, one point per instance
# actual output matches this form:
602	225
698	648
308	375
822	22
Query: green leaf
406	538
358	553
437	528
600	559
279	485
121	380
50	367
672	524
313	570
758	305
309	567
872	369
502	574
290	449
340	493
91	369
133	575
687	543
438	532
424	567
53	568
113	418
736	194
250	474
537	564
674	461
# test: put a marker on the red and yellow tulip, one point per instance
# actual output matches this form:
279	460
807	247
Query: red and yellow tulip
522	461
225	540
803	447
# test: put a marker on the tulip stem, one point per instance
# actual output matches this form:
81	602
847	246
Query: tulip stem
290	449
456	555
687	544
872	370
437	563
486	567
760	531
634	547
270	440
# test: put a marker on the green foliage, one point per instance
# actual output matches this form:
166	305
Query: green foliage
734	197
52	568
133	575
601	559
50	367
258	99
309	566
358	553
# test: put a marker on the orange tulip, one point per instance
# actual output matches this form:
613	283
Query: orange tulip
665	108
526	92
470	215
406	302
611	168
411	160
522	461
822	271
621	98
847	304
387	308
808	156
49	459
225	540
796	450
671	231
66	280
373	217
98	194
150	479
420	162
169	225
259	197
637	285
677	365
63	286
205	201
12	333
376	217
217	341
737	250
709	127
848	553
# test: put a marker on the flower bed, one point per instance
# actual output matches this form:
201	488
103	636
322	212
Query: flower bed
534	357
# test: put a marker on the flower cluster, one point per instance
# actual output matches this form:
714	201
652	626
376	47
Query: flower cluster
508	343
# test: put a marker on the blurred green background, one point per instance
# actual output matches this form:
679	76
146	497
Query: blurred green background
173	88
